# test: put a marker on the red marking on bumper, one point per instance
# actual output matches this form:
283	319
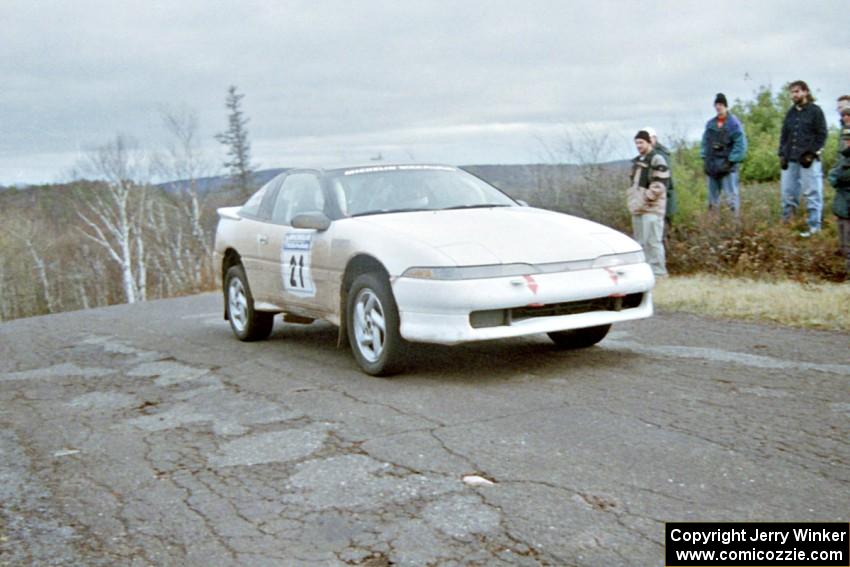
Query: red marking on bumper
532	285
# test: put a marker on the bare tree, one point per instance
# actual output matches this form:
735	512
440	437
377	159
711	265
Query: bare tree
584	147
113	215
580	179
26	233
185	163
30	234
173	252
238	147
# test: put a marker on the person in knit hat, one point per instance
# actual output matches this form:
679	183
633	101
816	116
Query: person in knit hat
839	178
724	146
647	201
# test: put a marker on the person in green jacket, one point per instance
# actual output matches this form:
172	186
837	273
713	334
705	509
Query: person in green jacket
839	177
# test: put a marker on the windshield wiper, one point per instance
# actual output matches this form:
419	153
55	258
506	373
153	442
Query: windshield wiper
387	211
480	206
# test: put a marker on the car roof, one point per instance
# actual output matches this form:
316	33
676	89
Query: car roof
383	166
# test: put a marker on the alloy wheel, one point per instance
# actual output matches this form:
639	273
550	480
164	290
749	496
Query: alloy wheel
237	304
369	325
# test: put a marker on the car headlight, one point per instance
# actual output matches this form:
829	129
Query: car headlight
605	261
610	260
470	272
508	270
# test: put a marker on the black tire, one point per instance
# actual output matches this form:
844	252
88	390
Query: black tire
373	334
247	324
579	338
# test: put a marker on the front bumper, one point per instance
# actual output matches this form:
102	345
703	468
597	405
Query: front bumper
439	311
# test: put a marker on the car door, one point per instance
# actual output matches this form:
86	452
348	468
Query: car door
295	260
253	232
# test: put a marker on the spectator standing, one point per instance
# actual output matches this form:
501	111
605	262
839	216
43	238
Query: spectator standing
800	146
671	190
842	104
724	146
839	177
647	201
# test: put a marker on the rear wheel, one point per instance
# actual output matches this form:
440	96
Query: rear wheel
579	338
247	323
372	320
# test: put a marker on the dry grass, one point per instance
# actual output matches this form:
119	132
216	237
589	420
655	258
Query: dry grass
812	306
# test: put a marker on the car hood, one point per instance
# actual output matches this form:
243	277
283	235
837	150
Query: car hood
505	235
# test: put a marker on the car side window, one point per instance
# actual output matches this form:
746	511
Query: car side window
251	208
300	193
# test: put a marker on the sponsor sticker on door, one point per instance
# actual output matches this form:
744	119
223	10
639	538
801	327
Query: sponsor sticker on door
295	264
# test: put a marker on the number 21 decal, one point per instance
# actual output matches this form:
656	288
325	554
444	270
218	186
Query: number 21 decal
299	265
295	264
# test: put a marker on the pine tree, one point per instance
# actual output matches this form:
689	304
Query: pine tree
238	147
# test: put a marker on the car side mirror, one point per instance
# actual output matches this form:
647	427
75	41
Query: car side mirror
315	219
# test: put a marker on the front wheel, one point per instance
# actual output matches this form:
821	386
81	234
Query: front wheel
579	338
247	323
372	320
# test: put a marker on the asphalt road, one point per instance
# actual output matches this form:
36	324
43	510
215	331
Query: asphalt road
147	435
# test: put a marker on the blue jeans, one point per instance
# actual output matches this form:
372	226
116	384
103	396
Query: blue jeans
727	186
809	181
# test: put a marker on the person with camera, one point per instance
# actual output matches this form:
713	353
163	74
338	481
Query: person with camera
724	146
800	146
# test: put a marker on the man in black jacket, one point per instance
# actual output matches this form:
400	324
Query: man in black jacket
800	146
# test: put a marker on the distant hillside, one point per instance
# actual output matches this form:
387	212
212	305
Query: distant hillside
519	180
219	183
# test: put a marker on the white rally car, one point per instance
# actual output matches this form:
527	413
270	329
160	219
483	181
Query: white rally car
421	253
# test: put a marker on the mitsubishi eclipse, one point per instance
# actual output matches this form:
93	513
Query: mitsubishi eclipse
393	254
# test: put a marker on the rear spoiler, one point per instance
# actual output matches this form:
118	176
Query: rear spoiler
231	213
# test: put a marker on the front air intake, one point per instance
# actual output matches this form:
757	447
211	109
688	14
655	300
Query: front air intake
500	317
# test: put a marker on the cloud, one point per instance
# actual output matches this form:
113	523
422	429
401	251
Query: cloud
420	78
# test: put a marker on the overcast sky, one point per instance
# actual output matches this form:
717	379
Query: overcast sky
339	81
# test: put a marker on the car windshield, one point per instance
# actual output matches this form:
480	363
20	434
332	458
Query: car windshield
393	189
